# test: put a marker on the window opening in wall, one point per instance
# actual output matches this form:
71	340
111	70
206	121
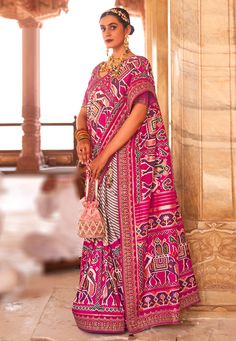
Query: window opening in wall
70	46
10	84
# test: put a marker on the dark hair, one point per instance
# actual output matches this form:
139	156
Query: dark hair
121	14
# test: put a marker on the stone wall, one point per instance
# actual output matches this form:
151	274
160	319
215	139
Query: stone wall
203	137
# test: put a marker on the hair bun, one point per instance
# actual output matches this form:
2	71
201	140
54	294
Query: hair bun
132	29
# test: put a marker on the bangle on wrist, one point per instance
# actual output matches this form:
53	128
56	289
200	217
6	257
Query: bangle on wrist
81	133
83	138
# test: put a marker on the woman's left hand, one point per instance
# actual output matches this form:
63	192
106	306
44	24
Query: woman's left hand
97	165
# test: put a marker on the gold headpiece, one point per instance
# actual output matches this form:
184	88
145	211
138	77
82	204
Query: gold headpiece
120	13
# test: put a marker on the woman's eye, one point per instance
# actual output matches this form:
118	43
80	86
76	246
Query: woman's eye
113	27
102	29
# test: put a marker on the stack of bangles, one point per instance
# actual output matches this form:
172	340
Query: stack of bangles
82	134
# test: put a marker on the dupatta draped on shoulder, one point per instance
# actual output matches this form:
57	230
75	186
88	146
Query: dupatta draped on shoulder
141	274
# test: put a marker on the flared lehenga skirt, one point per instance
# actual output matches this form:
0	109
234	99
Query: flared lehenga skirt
132	284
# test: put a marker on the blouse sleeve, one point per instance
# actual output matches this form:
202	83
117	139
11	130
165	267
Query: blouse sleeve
143	98
141	85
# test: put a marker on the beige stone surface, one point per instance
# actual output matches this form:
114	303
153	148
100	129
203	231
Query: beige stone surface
19	316
58	312
20	312
203	76
43	313
156	39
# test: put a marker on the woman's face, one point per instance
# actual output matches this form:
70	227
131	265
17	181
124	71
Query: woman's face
113	31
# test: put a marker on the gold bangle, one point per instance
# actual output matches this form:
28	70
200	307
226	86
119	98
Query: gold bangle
83	138
80	132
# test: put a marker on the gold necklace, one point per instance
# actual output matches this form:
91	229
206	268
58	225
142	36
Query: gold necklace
113	64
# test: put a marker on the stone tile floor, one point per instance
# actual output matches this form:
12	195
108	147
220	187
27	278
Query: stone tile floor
42	312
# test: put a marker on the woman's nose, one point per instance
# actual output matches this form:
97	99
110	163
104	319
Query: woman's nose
106	35
107	31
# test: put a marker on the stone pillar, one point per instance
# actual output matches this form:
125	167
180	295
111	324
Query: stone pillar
156	38
30	156
203	139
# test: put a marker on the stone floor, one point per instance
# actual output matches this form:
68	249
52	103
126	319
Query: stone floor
42	311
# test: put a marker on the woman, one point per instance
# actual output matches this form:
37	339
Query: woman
141	274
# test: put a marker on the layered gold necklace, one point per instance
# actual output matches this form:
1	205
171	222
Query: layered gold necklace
113	64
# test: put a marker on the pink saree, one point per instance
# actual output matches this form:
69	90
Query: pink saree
141	274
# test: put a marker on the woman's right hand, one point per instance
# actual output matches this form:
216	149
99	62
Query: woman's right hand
83	149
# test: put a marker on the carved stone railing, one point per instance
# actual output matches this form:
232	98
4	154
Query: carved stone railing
52	157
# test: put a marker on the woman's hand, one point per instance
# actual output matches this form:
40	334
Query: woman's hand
83	149
97	165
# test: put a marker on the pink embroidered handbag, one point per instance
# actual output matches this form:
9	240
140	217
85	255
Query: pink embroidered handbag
91	223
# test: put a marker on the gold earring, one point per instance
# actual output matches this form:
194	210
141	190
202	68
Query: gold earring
126	45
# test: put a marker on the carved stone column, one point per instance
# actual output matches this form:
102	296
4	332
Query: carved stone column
156	38
204	130
30	156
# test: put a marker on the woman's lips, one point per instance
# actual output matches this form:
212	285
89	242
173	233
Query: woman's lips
108	40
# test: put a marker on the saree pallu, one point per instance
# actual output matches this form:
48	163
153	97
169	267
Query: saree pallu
141	274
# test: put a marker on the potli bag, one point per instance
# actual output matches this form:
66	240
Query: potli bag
91	223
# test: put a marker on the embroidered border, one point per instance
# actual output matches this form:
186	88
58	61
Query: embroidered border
138	89
100	324
134	321
115	326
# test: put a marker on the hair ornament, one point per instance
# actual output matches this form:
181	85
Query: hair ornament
120	13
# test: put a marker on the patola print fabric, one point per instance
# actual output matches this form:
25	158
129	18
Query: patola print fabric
141	274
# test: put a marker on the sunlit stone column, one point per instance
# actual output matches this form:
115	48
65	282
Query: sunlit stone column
30	156
203	141
156	38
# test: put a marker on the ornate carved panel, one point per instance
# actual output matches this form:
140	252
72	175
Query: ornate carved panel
38	9
213	251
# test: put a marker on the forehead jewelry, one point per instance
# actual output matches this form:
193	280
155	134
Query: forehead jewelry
121	14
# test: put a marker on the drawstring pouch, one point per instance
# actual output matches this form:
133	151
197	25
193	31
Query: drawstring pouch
91	223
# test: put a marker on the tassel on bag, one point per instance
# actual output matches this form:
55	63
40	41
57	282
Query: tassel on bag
91	223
